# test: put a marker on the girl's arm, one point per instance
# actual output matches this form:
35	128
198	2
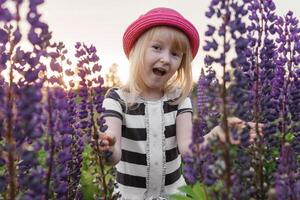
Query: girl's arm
111	140
184	132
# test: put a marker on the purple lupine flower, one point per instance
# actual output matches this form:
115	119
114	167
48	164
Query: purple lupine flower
7	147
3	89
190	174
287	62
28	98
28	128
49	143
66	141
231	30
193	163
267	75
77	147
287	175
91	93
85	104
3	183
4	35
28	125
5	13
4	57
236	190
292	55
197	166
107	187
280	80
210	45
200	166
297	188
262	57
202	106
295	112
245	173
62	135
240	90
209	166
263	66
28	131
38	34
212	98
210	31
268	67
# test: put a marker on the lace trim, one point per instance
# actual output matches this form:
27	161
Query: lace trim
147	148
162	190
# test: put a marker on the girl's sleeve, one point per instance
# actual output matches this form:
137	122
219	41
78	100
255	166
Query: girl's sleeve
185	106
113	104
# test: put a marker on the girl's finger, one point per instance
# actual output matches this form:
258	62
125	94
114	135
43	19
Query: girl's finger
234	121
103	142
232	141
103	148
260	132
261	125
252	135
111	141
251	124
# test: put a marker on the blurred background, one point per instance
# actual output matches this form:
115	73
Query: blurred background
102	23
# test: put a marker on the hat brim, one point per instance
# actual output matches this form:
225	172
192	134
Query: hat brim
145	22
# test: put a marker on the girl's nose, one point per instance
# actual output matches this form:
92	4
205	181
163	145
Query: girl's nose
165	57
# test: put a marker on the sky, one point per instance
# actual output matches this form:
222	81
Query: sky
103	22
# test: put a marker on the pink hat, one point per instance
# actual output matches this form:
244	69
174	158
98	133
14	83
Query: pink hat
160	17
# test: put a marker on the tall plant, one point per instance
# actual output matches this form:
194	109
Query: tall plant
258	53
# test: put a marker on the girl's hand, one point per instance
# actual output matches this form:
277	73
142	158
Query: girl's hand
238	125
106	145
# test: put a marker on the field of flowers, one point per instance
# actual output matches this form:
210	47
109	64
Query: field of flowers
49	128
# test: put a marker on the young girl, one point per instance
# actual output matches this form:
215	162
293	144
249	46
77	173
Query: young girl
150	119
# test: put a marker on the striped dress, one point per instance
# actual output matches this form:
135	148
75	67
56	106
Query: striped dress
150	165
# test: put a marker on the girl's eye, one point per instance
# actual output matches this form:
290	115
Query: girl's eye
176	54
156	47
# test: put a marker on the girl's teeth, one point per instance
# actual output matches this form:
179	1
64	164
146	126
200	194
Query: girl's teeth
158	72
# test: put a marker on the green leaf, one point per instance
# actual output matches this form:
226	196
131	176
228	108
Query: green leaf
187	189
179	197
199	191
289	137
270	166
193	192
88	188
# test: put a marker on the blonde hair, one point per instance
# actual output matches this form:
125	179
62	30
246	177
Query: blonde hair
181	79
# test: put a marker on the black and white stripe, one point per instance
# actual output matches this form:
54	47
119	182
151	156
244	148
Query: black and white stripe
132	169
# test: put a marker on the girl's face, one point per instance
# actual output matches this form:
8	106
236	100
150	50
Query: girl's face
161	61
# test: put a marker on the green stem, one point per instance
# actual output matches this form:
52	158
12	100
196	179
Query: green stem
226	152
9	134
257	109
52	146
98	152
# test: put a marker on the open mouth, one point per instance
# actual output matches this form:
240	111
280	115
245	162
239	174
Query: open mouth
159	71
